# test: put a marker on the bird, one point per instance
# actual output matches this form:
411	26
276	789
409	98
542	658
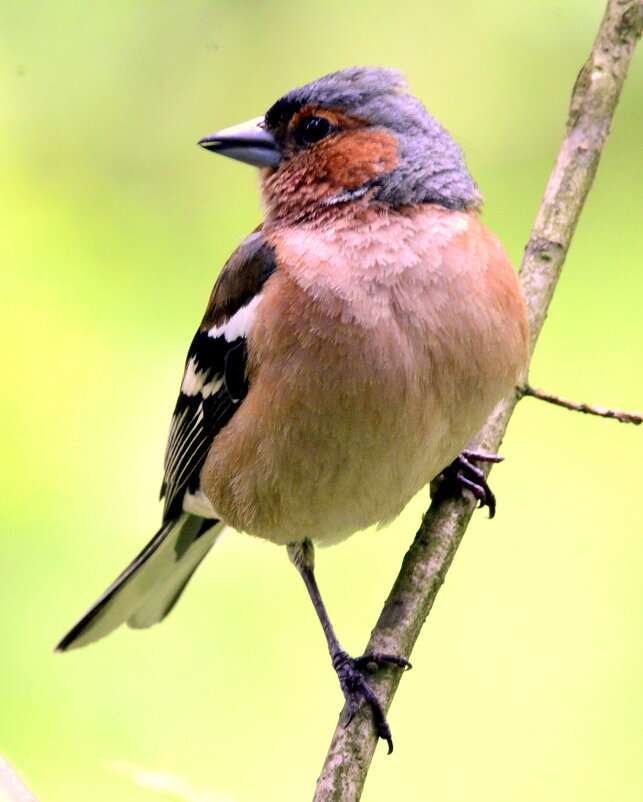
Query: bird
352	347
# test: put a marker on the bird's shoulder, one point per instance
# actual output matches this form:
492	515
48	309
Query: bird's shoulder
240	280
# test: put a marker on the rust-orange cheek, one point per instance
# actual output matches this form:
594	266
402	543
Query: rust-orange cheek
353	158
344	161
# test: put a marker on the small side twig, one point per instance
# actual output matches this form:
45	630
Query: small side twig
590	409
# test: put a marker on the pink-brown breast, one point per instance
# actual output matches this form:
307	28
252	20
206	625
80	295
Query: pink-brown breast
381	345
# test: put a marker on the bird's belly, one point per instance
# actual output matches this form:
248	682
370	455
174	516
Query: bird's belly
364	475
344	452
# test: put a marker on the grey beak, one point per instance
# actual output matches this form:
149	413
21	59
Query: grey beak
247	142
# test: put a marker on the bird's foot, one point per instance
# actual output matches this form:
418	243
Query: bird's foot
350	671
462	473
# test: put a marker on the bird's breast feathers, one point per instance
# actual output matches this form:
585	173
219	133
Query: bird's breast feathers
376	350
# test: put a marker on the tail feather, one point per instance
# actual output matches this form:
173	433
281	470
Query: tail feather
150	586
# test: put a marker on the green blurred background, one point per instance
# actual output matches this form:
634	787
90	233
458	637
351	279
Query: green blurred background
114	226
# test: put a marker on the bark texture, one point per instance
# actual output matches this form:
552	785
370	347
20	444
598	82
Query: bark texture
425	565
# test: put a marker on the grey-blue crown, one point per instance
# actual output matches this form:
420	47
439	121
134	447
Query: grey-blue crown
432	167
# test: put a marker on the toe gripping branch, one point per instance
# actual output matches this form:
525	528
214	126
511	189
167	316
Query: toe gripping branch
463	474
350	671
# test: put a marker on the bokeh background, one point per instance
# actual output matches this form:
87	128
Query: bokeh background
114	225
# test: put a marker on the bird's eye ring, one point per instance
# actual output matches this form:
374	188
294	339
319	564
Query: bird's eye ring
314	129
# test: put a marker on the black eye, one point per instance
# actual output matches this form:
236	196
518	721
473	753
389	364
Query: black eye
314	129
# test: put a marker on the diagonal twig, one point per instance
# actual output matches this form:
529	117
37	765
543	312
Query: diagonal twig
426	563
622	415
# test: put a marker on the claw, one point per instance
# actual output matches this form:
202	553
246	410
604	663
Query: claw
477	456
463	473
377	658
355	687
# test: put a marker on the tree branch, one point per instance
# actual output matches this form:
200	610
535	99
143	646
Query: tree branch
426	563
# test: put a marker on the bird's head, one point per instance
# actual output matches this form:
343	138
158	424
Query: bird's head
353	134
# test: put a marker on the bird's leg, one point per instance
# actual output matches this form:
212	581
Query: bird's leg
349	669
462	473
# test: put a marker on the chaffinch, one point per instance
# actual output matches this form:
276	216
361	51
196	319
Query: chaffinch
352	346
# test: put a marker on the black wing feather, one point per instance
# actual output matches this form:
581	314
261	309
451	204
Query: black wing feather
215	381
197	419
